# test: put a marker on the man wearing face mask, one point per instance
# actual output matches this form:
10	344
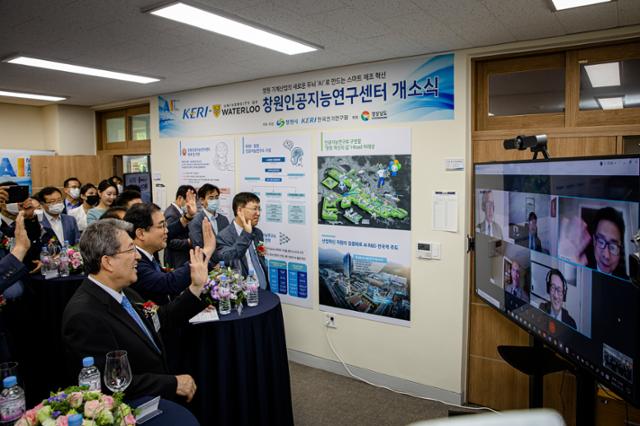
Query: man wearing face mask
209	196
71	194
54	222
176	253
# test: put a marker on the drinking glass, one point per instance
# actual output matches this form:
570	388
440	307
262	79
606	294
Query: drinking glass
117	371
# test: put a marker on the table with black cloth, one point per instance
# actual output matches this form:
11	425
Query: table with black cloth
240	367
173	414
37	325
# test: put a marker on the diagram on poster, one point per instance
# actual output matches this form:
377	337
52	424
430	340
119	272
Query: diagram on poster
209	161
276	168
364	181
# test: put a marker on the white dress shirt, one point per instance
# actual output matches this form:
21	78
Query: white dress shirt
56	225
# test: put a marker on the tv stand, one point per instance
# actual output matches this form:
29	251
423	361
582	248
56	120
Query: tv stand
537	361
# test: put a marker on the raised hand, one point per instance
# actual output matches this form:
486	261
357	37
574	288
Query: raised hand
22	242
244	222
198	265
191	206
208	239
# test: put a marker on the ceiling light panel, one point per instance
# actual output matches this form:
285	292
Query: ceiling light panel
611	103
210	21
569	4
604	75
31	96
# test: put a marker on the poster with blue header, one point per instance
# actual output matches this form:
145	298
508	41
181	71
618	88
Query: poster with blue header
403	90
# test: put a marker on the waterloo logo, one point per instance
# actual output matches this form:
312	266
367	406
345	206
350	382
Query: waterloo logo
280	122
365	116
217	110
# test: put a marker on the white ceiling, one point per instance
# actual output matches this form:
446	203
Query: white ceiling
114	34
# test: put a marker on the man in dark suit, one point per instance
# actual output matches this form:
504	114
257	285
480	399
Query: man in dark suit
54	222
557	289
531	241
149	234
243	243
209	196
176	253
103	314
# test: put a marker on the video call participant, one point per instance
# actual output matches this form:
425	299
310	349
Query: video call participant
557	290
599	246
516	287
488	226
533	242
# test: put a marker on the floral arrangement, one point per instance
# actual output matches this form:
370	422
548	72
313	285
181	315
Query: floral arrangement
261	249
97	409
75	260
149	308
3	301
226	284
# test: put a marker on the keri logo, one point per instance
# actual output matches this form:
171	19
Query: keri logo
194	113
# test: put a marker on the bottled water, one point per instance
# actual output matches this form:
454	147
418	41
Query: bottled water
49	268
89	375
12	402
63	266
75	420
252	289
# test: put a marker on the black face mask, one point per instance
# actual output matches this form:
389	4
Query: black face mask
93	200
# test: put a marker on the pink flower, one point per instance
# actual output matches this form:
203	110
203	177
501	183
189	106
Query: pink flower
107	401
31	416
75	399
37	407
91	408
62	421
23	422
129	420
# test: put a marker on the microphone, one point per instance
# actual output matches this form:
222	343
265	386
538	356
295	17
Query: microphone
522	142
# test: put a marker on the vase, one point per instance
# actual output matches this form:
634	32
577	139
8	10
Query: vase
224	306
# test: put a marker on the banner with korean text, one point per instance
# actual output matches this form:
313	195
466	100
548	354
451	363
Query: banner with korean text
277	168
404	90
364	216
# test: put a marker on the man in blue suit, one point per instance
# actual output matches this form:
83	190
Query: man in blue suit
209	196
54	222
243	243
149	234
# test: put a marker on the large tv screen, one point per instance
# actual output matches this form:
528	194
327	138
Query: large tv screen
553	240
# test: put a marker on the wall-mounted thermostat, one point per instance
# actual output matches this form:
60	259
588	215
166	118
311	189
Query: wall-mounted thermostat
428	250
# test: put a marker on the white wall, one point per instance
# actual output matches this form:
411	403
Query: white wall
66	129
430	351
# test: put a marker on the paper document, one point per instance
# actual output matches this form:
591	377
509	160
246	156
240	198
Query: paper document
205	316
445	211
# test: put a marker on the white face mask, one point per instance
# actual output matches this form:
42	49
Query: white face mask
56	208
13	208
212	205
75	193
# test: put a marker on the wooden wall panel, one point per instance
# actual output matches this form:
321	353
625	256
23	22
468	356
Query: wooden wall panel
53	170
497	385
491	330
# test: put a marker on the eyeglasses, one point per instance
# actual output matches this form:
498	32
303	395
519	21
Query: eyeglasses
162	225
128	251
254	209
50	203
601	242
556	290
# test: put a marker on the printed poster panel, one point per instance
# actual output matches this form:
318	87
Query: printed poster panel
276	168
364	182
209	161
15	165
404	90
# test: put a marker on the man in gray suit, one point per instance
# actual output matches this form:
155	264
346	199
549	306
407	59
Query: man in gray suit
209	196
242	243
54	222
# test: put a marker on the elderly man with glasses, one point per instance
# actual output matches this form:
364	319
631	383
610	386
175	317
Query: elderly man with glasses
104	315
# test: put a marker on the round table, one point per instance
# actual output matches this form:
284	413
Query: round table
240	366
172	413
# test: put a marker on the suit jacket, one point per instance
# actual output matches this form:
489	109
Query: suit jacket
496	230
94	323
11	270
566	318
69	228
157	285
176	253
195	227
232	248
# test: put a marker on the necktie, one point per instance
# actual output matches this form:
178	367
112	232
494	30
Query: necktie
257	266
531	245
156	265
133	314
489	230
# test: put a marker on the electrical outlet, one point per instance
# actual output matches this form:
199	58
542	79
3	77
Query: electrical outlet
330	320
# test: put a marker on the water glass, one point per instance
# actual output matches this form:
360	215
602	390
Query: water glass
224	306
117	371
252	295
